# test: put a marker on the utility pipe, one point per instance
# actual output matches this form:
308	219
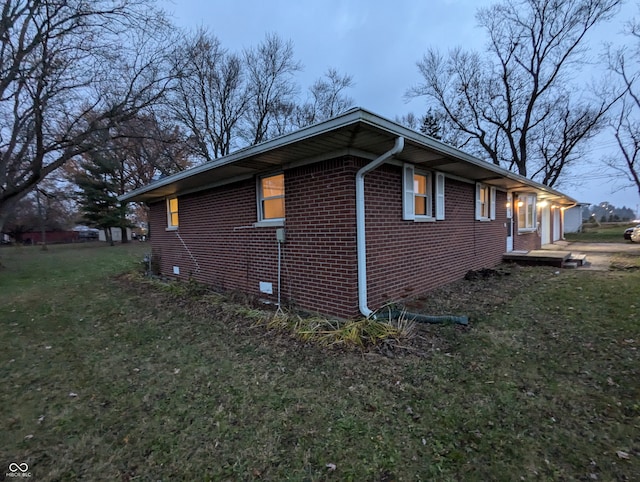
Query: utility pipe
420	318
360	224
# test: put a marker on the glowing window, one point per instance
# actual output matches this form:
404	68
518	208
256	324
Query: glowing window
421	193
527	212
419	203
485	202
172	212
272	197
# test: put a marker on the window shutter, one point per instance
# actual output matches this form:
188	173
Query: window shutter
439	196
478	207
492	199
408	201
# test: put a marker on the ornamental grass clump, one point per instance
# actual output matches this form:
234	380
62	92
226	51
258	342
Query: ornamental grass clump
359	333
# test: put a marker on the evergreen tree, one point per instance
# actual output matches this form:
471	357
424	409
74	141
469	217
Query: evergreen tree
432	124
97	194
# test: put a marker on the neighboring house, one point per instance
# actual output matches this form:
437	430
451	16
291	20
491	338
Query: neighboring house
116	234
86	233
573	218
344	216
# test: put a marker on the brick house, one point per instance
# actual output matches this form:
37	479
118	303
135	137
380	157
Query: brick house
344	216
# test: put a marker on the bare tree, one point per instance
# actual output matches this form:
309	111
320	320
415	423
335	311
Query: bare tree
626	128
271	68
328	95
409	120
54	211
327	99
233	100
143	149
225	101
70	68
149	148
127	157
626	125
211	97
517	104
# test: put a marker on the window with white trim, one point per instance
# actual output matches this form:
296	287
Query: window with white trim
271	197
527	220
172	213
422	194
417	195
485	202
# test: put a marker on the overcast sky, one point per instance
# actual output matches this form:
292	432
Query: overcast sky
379	43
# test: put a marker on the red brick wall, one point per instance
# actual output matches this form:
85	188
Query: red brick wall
318	270
212	244
321	237
319	258
525	241
406	258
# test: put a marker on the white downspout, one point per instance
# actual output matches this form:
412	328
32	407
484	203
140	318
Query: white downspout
360	224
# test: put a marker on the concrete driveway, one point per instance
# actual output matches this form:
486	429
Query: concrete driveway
598	254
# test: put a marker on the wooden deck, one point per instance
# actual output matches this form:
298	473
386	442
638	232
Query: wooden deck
539	256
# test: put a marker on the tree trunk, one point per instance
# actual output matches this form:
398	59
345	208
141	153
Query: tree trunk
7	206
123	237
108	237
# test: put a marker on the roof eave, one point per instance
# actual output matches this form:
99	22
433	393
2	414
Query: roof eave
508	180
449	151
347	118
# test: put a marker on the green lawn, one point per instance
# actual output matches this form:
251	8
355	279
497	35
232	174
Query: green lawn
605	233
111	377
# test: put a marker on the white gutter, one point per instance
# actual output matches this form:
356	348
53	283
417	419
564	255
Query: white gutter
360	224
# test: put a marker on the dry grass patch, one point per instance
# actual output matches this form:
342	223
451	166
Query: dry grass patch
361	333
625	261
